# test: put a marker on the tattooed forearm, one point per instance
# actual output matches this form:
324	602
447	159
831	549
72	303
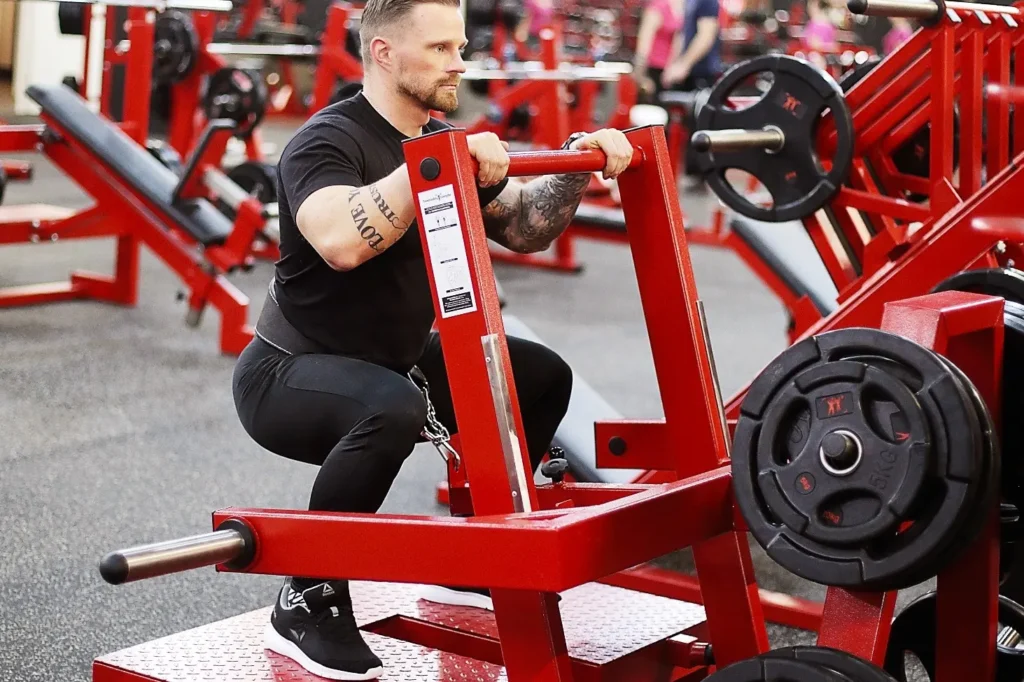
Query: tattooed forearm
549	204
385	210
361	220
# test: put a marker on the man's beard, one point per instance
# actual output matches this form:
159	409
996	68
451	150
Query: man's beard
432	97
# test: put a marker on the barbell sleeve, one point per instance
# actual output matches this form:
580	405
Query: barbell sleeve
769	139
257	50
233	543
198	5
911	9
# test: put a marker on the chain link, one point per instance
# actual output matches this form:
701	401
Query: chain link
434	430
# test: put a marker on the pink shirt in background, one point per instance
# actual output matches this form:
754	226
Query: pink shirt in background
661	46
541	16
821	31
894	38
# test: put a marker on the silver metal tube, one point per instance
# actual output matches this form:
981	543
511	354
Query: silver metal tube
563	75
769	139
247	50
201	5
911	9
173	556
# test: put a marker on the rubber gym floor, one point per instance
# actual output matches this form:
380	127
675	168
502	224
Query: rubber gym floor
119	429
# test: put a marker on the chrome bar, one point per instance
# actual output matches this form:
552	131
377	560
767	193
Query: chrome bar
770	139
200	5
254	50
172	556
911	9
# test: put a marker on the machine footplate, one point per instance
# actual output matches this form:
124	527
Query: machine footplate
602	624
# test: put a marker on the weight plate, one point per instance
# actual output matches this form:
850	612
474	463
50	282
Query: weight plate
71	18
925	439
175	47
797	180
3	184
842	662
257	178
914	631
977	511
237	95
771	669
1006	283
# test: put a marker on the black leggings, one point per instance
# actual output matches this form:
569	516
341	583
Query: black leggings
359	421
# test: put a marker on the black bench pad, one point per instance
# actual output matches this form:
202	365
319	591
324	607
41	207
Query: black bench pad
603	217
787	252
135	166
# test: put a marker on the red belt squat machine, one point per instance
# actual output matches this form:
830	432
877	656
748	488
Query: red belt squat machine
528	542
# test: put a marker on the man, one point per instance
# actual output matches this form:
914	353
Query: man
696	61
695	64
327	380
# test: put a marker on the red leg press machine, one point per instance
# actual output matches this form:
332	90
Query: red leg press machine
528	542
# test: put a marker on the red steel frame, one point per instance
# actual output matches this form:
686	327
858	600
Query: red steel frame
527	542
122	212
335	62
973	225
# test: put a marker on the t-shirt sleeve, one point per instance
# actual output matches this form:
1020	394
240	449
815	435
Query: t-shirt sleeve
318	156
706	8
489	194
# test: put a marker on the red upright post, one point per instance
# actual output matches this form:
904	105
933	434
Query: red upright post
688	385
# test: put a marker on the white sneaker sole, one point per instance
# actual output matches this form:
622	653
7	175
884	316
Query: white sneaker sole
273	641
444	595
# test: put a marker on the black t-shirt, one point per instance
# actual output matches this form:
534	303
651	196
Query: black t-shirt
380	311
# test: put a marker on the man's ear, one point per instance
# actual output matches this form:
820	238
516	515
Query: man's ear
382	53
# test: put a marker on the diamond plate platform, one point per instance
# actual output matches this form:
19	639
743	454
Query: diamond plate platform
602	624
232	650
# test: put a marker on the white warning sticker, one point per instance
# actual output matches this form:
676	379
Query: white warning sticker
440	224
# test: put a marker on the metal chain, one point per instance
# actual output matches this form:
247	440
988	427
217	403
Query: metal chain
434	430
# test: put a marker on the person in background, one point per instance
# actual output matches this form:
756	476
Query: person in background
695	61
819	36
537	15
899	33
659	25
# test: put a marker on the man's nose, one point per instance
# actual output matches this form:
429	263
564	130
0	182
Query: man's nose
458	64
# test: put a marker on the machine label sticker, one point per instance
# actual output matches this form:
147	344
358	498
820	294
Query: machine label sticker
440	224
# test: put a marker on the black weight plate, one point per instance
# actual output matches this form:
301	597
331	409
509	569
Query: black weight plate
175	47
1006	283
71	18
771	669
257	178
914	631
952	448
842	662
960	526
978	510
3	184
238	95
795	102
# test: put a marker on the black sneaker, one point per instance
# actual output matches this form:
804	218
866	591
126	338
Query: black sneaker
316	629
